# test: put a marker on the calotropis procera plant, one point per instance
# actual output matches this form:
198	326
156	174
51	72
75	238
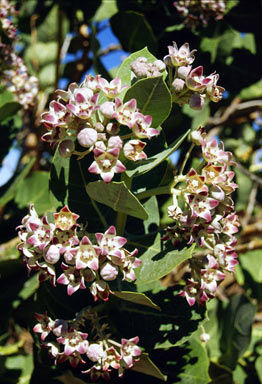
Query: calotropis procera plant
101	117
93	115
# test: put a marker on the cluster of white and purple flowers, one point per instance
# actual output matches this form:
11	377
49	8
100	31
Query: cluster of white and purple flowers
203	211
190	86
67	343
7	13
44	244
15	77
200	12
93	114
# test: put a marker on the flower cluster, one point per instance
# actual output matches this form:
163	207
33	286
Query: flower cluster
43	244
190	86
67	343
7	12
15	77
143	69
207	218
82	114
200	12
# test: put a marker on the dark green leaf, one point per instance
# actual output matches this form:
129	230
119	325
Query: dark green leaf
153	98
236	335
133	31
151	206
258	366
10	193
145	365
146	165
34	189
118	197
136	297
158	262
106	10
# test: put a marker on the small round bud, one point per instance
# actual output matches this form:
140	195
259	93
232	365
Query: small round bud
109	271
183	71
112	128
99	127
87	137
107	109
178	85
160	65
52	254
205	337
95	352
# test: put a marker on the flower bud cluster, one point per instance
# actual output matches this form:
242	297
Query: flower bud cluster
45	244
200	12
190	86
77	115
143	69
67	343
207	218
15	77
7	12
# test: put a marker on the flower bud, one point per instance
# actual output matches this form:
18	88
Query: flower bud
112	128
183	71
87	137
115	142
66	148
167	60
51	254
178	85
196	101
108	271
107	109
160	65
198	136
99	127
205	337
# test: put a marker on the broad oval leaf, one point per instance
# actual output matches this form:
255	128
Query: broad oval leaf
143	166
117	196
157	263
133	31
137	298
153	98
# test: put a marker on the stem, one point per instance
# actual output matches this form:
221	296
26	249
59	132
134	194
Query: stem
82	154
122	217
128	136
166	190
170	76
186	158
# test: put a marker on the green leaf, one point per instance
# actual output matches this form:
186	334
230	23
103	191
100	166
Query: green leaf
43	53
47	76
199	118
10	193
23	363
11	349
157	263
118	197
68	378
136	297
106	10
195	368
145	365
29	288
258	366
254	91
143	166
133	31
153	98
172	327
151	206
48	29
252	263
210	45
124	71
236	335
9	109
34	189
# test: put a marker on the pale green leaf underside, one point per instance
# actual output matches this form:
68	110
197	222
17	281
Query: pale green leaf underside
137	298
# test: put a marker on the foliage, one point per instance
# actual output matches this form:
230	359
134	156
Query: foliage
157	257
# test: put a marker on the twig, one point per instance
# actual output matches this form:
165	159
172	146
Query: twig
251	204
110	48
251	175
